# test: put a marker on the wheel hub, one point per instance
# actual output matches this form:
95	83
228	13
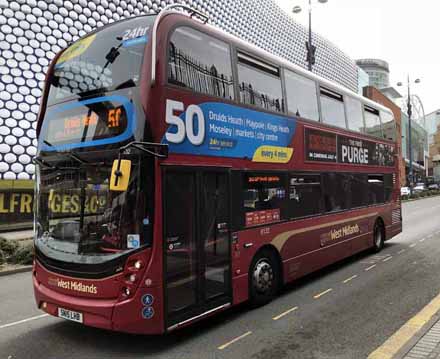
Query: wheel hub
263	276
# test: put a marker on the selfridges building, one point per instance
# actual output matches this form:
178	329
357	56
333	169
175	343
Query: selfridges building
33	31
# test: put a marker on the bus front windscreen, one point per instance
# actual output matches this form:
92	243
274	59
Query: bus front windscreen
80	220
106	60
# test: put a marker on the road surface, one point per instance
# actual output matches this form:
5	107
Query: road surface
345	311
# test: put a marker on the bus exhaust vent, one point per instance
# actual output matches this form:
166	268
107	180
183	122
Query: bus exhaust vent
395	216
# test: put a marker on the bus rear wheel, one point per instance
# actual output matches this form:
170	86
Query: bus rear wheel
263	278
378	237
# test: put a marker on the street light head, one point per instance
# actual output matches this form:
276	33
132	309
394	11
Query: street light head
322	1
399	84
417	81
297	9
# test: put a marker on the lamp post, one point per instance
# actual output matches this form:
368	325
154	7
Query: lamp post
311	49
409	113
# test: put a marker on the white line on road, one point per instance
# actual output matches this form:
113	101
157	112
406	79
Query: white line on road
387	258
319	295
285	313
349	279
401	251
413	245
422	240
23	321
370	267
221	347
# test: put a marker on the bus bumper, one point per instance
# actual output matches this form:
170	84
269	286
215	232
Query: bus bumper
111	314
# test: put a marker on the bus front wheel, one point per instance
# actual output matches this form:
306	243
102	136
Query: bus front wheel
378	236
263	278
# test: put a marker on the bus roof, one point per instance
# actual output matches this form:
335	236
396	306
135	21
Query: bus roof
171	9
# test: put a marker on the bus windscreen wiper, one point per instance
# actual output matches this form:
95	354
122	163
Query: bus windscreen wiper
71	154
125	84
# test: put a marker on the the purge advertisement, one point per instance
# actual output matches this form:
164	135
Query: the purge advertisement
328	147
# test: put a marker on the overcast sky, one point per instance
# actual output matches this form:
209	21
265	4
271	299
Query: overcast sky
404	33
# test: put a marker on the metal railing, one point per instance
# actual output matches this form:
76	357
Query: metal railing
187	71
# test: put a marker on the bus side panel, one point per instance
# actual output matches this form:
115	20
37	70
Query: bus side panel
304	245
315	248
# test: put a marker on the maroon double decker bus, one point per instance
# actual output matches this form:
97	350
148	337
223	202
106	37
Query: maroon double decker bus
182	171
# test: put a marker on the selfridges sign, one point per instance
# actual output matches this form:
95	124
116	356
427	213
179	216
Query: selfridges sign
33	31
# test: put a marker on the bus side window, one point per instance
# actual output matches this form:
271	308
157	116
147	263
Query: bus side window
388	182
264	198
372	122
359	190
305	197
332	108
376	189
201	63
259	84
301	96
337	194
388	125
355	116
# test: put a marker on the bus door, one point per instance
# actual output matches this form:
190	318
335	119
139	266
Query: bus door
196	243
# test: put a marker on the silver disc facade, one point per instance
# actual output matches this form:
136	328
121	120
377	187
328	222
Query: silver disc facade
33	31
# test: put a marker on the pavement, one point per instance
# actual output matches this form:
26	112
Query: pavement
17	235
372	305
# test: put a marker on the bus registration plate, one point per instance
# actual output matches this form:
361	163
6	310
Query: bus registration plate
70	315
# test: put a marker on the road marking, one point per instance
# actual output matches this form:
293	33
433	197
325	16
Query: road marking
413	245
423	239
370	267
285	313
430	236
23	321
396	342
387	258
401	251
224	346
349	279
319	295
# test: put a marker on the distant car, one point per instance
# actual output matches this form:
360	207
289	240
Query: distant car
420	187
434	186
404	191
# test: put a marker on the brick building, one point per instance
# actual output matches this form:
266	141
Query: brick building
375	95
434	155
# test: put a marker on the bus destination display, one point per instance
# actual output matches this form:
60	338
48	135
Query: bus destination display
86	123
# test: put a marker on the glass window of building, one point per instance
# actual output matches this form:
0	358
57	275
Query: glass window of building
355	117
388	125
201	63
259	84
332	108
301	95
372	122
